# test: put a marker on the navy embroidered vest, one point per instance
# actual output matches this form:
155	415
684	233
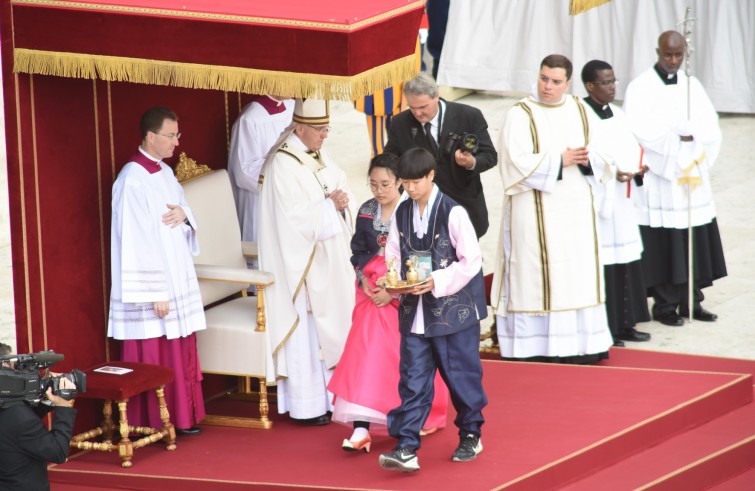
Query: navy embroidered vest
444	315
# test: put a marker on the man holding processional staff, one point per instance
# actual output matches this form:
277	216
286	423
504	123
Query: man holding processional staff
675	122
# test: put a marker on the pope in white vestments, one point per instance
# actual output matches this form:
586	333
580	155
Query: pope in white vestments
155	303
253	135
548	290
305	232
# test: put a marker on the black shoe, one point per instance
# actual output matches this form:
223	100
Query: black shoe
318	421
701	315
618	343
194	430
670	318
632	334
469	446
402	459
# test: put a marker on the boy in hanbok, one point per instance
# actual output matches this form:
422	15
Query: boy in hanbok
440	320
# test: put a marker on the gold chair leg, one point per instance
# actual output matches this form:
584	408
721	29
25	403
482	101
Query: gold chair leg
168	428
108	427
125	447
263	402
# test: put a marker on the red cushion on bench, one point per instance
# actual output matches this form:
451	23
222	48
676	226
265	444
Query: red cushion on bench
114	387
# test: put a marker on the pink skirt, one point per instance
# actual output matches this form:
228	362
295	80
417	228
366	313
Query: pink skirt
365	382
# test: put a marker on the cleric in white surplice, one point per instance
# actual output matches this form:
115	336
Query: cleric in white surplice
675	121
155	303
304	240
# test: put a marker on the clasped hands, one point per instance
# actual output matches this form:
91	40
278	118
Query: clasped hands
575	156
622	176
378	295
339	198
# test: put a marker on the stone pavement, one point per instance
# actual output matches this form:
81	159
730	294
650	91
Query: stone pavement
732	298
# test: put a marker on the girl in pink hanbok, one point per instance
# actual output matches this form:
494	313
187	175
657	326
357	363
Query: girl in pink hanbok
365	382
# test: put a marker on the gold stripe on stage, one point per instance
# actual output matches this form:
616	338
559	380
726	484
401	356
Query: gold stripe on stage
227	122
24	231
226	78
39	215
110	129
245	19
103	254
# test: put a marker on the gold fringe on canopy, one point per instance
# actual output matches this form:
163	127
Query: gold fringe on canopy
225	78
579	6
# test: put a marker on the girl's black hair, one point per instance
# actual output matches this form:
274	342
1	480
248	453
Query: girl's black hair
385	160
415	163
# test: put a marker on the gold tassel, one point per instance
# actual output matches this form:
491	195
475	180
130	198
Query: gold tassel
687	177
225	78
579	6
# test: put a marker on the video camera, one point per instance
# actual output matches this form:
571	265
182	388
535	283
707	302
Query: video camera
22	381
466	142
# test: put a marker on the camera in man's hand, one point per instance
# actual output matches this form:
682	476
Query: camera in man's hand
466	142
21	381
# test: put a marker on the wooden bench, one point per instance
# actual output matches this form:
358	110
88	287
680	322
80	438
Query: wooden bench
120	388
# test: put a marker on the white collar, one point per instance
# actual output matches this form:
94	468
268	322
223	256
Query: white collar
421	222
144	152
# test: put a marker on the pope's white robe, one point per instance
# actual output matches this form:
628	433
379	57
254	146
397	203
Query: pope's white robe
151	262
305	243
655	111
548	290
252	137
620	240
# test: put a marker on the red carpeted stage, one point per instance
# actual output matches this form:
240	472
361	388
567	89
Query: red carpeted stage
686	422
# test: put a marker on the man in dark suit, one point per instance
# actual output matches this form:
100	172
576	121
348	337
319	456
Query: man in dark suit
431	123
26	445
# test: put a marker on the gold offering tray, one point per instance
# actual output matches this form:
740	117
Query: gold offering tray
404	287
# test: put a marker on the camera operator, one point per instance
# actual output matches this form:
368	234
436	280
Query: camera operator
26	445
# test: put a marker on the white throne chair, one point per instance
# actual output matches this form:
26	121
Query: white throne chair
234	341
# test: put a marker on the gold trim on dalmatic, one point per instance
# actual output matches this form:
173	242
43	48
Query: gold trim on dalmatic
225	78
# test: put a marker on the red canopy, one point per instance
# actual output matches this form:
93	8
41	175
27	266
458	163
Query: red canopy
334	49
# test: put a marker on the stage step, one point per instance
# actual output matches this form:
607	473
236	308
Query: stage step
715	455
599	428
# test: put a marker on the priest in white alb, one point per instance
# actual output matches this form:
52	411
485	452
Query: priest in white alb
155	303
548	290
306	221
253	134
